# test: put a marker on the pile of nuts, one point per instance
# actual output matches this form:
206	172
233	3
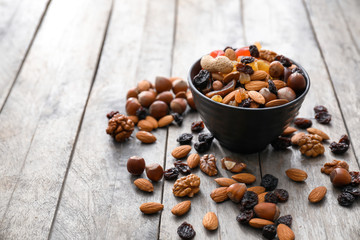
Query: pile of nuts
249	77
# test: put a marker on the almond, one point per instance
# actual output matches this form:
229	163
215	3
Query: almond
151	207
244	178
225	182
257	189
258	75
318	132
145	137
181	151
284	232
166	120
276	102
210	221
135	119
229	97
219	194
289	131
153	121
267	211
317	194
193	160
295	139
255	85
259	223
296	175
261	197
257	97
279	84
144	185
181	208
231	76
236	192
145	125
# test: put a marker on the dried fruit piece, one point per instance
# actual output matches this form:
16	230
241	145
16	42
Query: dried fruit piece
181	151
181	208
249	200
142	112
244	178
342	146
182	167
151	207
245	103
187	186
303	123
323	117
201	147
310	145
144	185
257	189
259	223
202	79
355	178
120	127
282	195
171	174
269	231
186	231
287	220
245	216
355	191
254	51
111	114
281	143
296	175
185	138
344	139
272	87
320	108
225	182
330	166
193	160
219	194
284	232
197	126
271	197
208	164
346	199
269	182
232	165
286	62
210	221
206	137
178	118
317	194
244	68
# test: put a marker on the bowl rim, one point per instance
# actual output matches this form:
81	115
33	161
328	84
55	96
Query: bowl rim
193	88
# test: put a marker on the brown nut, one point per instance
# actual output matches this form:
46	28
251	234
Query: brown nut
146	98
190	99
236	192
232	165
297	82
153	121
162	84
265	92
217	85
178	105
143	85
187	186
276	69
219	194
154	172
132	93
286	93
145	125
132	105
330	166
165	96
340	177
179	85
136	165
181	94
158	109
133	118
267	211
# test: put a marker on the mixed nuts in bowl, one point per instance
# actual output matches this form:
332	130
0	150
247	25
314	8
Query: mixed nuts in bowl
248	96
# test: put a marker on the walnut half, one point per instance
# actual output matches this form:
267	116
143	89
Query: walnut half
310	145
328	167
208	164
187	186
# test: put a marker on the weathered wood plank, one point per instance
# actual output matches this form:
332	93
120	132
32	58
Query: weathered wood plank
39	122
99	199
328	19
18	25
200	29
284	32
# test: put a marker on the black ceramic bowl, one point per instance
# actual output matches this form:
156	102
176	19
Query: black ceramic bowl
245	130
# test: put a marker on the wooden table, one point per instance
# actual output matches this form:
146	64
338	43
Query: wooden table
65	64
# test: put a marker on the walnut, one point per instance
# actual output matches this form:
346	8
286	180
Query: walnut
208	164
267	55
187	186
310	145
120	127
328	167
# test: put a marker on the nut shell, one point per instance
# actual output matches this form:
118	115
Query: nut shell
286	93
135	165
236	192
146	98
340	177
132	93
158	109
132	105
297	82
276	69
179	85
162	84
178	105
143	85
165	96
267	211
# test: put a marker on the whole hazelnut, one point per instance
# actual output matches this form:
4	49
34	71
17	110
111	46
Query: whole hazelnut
190	99
287	73
236	192
132	104
286	93
217	85
178	105
162	84
165	96
179	85
267	210
158	109
340	177
143	85
276	69
154	172
181	94
132	93
297	82
136	165
269	96
146	98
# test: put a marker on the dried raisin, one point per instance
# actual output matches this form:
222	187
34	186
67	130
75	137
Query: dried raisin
320	108
338	148
346	199
202	146
111	114
246	60
245	103
355	178
287	220
185	138
269	182
355	191
297	70
245	216
171	174
141	113
284	60
202	79
230	48
186	231
206	137
178	118
303	122
281	143
197	126
254	51
323	117
182	167
271	197
344	139
272	87
282	195
244	68
249	200
269	231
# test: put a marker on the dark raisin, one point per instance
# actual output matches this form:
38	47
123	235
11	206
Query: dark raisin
171	174
269	182
338	148
254	51
186	231
245	216
344	139
320	108
202	79
282	195
297	70
206	137
303	123
230	48
323	117
111	114
346	199
182	167
355	191
284	60
245	103
142	113
249	200
271	197
197	126
202	146
244	68
355	178
269	231
246	60
178	118
281	143
272	87
287	220
185	138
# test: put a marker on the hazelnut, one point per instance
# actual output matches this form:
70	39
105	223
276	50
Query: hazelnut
181	94
287	73
158	109
132	93
179	85
154	172
276	69
340	177
286	93
217	85
190	99
162	84
297	82
232	165
269	96
166	97
146	98
143	85
236	192
132	104
178	105
136	165
266	210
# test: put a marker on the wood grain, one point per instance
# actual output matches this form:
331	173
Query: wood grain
287	35
99	199
18	25
211	26
39	122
